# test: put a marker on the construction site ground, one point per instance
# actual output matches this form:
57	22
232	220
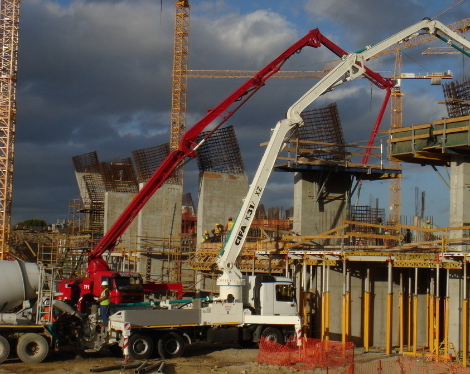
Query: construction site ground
198	359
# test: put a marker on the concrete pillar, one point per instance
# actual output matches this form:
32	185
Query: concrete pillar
114	205
220	196
459	195
321	200
159	222
455	289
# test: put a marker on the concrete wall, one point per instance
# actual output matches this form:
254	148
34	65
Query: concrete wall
220	196
160	220
316	212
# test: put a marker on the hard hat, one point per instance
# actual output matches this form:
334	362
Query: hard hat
218	224
206	232
428	221
229	217
104	283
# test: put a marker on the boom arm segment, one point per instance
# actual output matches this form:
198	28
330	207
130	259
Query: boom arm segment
188	145
350	68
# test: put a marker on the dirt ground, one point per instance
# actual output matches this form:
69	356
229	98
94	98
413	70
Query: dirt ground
198	359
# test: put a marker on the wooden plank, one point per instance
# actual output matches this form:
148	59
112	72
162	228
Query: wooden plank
450	131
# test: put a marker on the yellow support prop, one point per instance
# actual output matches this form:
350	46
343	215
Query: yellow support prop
327	317
401	330
464	332
388	343
415	323
366	321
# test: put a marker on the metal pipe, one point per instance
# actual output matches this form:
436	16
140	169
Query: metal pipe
348	305
401	312
437	312
327	309
388	333
343	305
431	316
464	317
410	310
366	311
446	316
415	314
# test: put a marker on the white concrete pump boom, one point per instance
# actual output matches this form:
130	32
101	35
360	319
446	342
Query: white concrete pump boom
351	67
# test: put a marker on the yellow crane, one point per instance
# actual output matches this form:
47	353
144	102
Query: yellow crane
179	79
9	25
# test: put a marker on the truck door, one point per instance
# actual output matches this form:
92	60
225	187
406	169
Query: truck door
278	299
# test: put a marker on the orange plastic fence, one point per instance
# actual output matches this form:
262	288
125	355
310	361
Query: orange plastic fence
311	354
338	358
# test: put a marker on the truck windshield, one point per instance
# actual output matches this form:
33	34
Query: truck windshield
128	283
285	292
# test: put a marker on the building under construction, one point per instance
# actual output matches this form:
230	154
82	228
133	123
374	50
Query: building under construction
398	286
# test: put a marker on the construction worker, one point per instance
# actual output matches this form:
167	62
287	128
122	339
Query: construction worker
217	231
380	231
206	237
229	224
427	235
104	300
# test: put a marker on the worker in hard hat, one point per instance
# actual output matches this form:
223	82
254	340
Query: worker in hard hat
104	300
206	237
229	224
217	231
427	235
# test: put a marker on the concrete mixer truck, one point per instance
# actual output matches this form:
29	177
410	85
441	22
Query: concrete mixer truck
33	320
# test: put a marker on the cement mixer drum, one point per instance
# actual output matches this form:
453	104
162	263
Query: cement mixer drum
20	282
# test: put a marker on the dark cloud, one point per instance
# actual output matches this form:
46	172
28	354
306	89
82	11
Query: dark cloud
96	76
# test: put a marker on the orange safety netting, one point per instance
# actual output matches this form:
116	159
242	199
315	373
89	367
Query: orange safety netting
338	358
310	354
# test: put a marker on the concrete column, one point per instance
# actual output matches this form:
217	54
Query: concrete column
220	196
321	200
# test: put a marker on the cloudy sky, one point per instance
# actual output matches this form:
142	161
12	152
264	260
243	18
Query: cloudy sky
96	76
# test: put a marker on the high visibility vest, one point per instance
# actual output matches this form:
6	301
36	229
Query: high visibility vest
229	225
205	237
106	301
217	230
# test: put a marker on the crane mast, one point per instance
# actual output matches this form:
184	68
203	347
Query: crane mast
179	79
9	26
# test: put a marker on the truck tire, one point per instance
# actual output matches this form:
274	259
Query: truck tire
273	334
171	345
140	346
4	349
32	348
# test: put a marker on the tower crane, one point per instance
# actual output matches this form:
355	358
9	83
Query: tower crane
179	79
9	25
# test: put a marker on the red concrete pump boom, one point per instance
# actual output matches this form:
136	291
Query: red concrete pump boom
188	143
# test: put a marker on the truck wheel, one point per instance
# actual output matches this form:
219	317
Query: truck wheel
140	346
32	348
273	334
171	345
4	349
